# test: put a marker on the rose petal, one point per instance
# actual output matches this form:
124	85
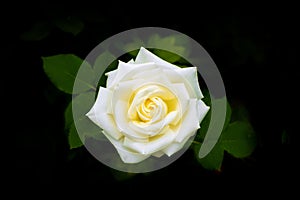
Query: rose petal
186	129
181	92
103	101
158	154
147	74
190	74
174	76
118	74
99	113
110	78
154	76
124	69
125	90
176	146
152	146
146	56
106	122
126	155
131	61
148	92
122	122
202	110
190	121
155	128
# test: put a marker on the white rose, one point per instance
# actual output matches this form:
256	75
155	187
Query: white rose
149	107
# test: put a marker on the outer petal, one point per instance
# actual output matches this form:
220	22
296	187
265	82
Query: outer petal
176	146
110	78
144	77
131	61
125	90
158	154
182	94
152	146
190	122
99	113
126	155
174	76
146	56
107	123
123	70
146	74
103	101
154	76
202	110
190	74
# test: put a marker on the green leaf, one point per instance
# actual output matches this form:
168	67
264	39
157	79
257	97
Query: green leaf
239	139
39	31
169	41
88	129
68	116
104	62
240	113
228	116
166	55
173	43
213	160
70	25
62	70
73	138
82	103
133	47
85	127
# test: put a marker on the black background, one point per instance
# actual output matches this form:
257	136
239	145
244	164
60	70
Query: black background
254	47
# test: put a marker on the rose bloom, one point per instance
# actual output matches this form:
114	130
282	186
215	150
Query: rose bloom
149	107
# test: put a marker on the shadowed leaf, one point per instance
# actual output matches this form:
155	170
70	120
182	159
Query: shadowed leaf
62	70
73	138
70	25
239	139
39	31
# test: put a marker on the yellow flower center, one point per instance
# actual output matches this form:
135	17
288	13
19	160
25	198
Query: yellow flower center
151	103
